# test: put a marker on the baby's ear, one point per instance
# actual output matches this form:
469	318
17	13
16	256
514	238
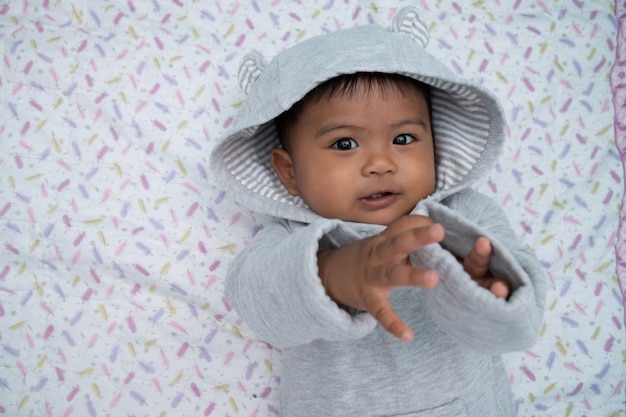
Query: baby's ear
283	165
408	21
250	69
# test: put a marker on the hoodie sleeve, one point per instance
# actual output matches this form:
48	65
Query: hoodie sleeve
274	286
467	312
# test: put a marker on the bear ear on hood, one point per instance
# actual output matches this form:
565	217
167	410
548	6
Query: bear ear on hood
409	22
250	69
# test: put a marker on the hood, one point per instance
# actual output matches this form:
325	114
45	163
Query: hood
467	121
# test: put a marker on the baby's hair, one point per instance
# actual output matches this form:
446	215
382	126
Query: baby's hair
348	85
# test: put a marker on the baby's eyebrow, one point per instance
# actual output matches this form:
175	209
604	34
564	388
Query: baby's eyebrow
333	126
418	122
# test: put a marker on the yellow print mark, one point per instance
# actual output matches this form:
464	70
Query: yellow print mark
566	267
268	365
237	332
165	145
182	124
76	15
471	55
118	169
42	361
92	139
229	30
564	130
592	53
76	281
17	325
195	33
605	129
561	348
553	166
96	390
546	99
531	397
177	379
114	80
11	182
547	240
109	7
181	167
175	58
531	106
558	205
132	32
162	200
33	44
156	63
185	236
549	388
122	97
86	372
58	103
101	237
300	34
569	410
544	186
152	288
228	247
198	92
163	414
478	3
22	269
552	26
150	343
222	388
142	206
596	187
34	177
92	222
316	14
38	288
373	7
543	330
41	124
238	104
74	68
23	402
54	39
132	350
501	77
35	245
543	48
233	404
557	64
14	20
432	27
56	145
103	312
604	266
181	18
170	306
553	305
166	268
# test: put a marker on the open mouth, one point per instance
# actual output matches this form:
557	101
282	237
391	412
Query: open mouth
379	199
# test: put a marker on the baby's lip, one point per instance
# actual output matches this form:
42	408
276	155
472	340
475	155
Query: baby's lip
379	199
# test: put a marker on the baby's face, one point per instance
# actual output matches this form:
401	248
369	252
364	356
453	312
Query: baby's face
367	158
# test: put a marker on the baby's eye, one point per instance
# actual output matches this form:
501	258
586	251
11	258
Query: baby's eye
345	144
403	139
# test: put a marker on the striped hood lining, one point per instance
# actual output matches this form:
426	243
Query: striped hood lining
467	121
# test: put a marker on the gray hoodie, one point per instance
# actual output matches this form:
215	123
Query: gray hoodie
341	363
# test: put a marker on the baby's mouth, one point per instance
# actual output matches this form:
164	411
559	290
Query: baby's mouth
379	199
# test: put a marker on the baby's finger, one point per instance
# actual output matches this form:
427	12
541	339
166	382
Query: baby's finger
476	263
392	276
390	321
398	246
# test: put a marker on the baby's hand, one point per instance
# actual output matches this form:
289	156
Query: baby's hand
362	274
476	264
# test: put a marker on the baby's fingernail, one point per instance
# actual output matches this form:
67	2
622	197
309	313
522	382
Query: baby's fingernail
406	336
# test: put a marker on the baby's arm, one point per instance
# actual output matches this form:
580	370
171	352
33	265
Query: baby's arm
362	274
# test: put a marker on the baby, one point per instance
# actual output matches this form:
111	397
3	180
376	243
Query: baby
364	147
